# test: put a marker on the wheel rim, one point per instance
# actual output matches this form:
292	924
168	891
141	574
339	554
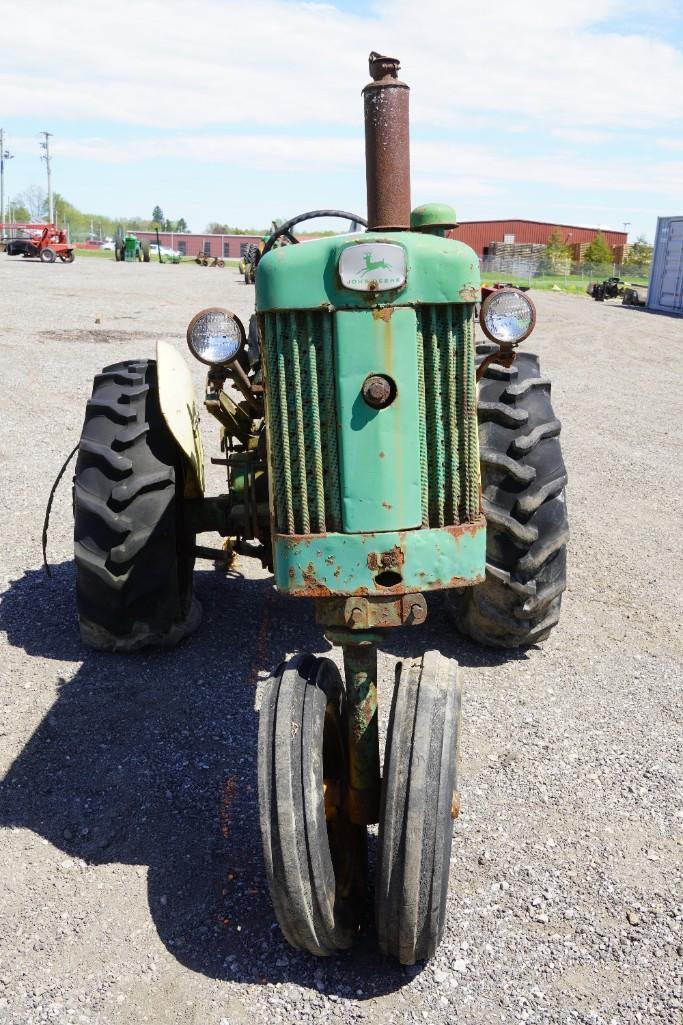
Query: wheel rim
346	840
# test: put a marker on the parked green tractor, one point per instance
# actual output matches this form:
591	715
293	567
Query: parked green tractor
129	249
377	453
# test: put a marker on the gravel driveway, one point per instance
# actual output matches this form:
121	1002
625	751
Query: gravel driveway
133	888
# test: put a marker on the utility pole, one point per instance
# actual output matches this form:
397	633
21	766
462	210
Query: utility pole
4	155
46	146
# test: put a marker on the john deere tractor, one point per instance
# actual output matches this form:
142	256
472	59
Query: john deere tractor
129	249
377	453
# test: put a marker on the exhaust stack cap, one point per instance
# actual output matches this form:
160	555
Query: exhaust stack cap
387	146
383	67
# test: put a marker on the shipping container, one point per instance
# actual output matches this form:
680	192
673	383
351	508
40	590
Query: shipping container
665	292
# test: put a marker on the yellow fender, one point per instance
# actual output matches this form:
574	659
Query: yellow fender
179	410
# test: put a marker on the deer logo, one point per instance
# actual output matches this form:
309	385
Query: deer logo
371	264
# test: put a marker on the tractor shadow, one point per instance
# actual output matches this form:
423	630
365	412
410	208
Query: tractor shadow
150	759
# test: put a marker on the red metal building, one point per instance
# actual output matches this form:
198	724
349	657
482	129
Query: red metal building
189	244
480	234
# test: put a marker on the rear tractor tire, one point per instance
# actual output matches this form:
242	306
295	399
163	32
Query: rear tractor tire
134	557
47	255
523	479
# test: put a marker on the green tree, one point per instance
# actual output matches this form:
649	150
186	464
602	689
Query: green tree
557	255
598	251
34	199
181	224
158	215
216	228
640	255
19	212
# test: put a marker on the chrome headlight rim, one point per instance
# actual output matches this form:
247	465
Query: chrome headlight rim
490	299
231	316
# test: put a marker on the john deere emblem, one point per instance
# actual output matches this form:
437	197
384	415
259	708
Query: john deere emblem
373	265
373	268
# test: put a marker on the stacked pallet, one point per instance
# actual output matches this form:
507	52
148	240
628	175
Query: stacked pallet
508	256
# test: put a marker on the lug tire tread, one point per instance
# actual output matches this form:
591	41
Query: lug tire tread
133	559
523	498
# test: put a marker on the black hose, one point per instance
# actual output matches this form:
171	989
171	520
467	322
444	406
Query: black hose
46	521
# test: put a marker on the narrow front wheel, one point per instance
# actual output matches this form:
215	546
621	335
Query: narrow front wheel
315	857
419	801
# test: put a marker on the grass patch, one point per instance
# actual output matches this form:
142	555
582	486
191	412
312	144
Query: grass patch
94	254
108	254
572	283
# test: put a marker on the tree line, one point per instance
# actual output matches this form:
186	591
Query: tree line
30	206
558	253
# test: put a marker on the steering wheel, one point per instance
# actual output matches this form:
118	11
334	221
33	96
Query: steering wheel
285	230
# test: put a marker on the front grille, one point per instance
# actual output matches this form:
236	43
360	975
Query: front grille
303	428
449	447
300	383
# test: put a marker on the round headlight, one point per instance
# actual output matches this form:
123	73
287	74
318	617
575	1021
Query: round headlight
216	336
507	315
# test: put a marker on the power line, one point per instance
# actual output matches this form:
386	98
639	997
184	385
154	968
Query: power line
4	155
46	157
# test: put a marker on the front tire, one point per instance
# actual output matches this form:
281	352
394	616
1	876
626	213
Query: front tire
419	800
315	857
134	557
523	480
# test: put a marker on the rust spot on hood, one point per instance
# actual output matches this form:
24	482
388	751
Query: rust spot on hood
383	313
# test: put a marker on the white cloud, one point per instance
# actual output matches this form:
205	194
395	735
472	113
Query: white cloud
443	168
275	85
166	63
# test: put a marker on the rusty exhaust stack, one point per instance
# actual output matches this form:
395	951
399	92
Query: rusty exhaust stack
387	146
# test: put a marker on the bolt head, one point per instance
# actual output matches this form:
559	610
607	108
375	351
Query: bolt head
378	391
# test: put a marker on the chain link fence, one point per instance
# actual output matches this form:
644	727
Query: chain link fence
540	272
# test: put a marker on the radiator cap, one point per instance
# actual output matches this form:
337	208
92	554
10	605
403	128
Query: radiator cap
433	217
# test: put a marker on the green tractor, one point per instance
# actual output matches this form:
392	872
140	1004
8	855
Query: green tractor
255	250
377	453
129	249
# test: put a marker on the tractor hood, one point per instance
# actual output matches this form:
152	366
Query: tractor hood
367	270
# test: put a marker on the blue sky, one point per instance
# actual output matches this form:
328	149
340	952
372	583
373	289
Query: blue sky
244	110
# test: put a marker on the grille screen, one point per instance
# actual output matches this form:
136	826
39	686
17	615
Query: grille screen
300	381
302	418
449	447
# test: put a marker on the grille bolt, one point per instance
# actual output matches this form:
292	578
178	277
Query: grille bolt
378	391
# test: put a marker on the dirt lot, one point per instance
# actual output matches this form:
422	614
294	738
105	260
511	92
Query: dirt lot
133	888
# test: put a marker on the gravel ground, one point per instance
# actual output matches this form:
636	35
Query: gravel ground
133	883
